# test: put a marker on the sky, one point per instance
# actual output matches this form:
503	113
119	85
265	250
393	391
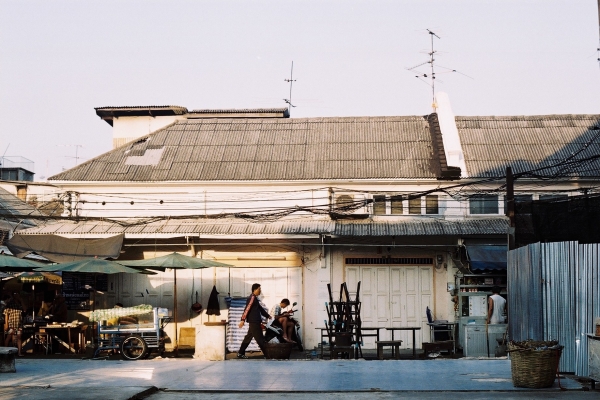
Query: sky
59	59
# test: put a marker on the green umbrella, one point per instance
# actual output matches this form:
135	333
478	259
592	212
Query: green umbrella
39	277
175	261
11	263
92	265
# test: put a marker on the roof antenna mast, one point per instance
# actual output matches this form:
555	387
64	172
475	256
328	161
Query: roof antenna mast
431	61
432	74
291	82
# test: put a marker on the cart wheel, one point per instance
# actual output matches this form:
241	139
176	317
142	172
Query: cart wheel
133	348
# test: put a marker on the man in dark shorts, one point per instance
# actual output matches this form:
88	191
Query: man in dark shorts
253	314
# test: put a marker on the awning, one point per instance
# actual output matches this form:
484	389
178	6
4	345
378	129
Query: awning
60	249
307	227
487	256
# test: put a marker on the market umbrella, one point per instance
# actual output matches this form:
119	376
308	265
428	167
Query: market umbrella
175	261
91	266
40	278
11	263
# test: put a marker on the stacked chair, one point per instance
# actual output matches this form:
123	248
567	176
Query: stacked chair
343	324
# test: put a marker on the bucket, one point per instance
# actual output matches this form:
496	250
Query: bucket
279	351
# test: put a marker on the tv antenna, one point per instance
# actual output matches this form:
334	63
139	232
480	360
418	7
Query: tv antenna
291	81
432	65
77	146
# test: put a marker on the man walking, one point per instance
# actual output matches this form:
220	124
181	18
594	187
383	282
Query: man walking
252	314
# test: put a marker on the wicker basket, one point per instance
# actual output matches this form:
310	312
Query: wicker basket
279	351
532	368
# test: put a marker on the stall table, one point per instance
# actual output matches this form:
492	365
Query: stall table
406	328
53	330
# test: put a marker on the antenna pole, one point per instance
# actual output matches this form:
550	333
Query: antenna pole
432	61
291	81
432	70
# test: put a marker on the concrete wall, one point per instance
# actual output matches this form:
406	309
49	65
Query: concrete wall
126	129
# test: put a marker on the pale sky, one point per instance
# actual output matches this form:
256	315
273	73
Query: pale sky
60	59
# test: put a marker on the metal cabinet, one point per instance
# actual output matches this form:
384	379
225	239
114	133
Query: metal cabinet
472	291
475	342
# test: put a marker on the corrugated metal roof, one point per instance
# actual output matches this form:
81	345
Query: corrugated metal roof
237	227
16	211
279	110
125	108
234	149
530	142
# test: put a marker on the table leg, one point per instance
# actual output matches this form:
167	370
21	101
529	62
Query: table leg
393	354
322	344
70	342
414	351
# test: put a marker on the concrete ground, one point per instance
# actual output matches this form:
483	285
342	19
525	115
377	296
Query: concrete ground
183	378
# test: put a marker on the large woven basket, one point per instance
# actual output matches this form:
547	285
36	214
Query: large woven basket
532	367
279	351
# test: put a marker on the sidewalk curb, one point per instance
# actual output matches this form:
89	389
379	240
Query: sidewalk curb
144	393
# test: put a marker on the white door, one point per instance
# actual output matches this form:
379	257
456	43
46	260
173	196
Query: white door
412	292
393	297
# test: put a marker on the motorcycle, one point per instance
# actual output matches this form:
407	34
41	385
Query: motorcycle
273	329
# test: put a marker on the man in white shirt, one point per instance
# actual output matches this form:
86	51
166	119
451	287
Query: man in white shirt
496	307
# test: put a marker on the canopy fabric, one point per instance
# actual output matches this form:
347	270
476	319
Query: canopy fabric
174	261
38	277
91	265
17	264
62	249
487	257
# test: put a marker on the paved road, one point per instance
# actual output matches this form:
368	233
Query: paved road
175	379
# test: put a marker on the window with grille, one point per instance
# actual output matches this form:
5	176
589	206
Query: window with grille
396	205
431	204
483	204
379	204
414	206
523	203
389	260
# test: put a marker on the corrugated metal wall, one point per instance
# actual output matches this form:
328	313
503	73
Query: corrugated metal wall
554	295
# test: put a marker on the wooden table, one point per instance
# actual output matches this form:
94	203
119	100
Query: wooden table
406	328
376	330
54	329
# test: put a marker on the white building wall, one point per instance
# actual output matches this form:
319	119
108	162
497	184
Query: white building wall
126	129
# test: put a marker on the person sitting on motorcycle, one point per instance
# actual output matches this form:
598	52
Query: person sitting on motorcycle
284	319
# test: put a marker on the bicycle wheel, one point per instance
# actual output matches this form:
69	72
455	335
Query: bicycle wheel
133	348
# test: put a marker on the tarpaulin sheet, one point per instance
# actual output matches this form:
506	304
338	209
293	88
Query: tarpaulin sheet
61	249
487	257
